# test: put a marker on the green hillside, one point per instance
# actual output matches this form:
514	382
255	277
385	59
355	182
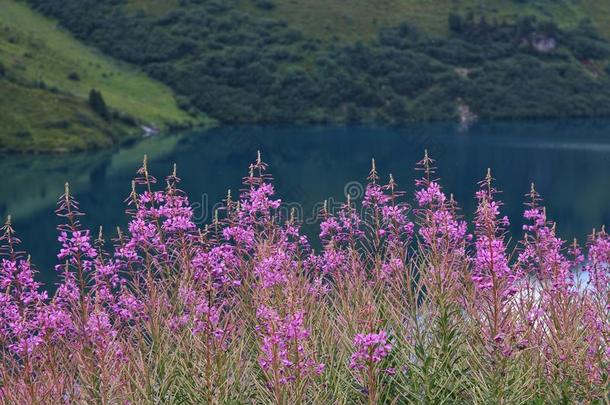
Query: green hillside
362	19
45	78
359	61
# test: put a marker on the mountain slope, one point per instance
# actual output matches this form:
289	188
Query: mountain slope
388	61
45	78
362	19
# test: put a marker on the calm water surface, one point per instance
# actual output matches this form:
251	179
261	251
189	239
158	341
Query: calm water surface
568	161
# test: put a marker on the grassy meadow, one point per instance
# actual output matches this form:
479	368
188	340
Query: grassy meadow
48	75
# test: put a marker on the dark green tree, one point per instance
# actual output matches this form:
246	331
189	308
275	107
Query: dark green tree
97	104
456	22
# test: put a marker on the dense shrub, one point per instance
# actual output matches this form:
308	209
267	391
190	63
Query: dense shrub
242	67
264	4
97	104
23	134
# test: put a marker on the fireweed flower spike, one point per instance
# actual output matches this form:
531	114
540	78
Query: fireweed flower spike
494	280
284	355
443	236
21	302
85	311
370	350
78	256
22	326
598	312
110	286
556	306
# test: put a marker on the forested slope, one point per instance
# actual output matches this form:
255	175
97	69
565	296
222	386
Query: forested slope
274	61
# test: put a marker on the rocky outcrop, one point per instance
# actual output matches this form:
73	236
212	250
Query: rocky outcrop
543	43
466	115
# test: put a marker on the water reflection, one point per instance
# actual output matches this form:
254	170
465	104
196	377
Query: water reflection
568	161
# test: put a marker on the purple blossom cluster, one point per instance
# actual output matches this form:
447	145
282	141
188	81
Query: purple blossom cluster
284	353
252	276
370	349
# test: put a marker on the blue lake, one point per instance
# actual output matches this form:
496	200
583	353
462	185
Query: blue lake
569	161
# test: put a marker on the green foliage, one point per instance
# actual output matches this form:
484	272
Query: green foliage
241	66
97	104
439	375
52	122
264	4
